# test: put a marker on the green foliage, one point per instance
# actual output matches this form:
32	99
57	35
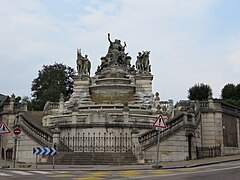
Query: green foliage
232	102
199	92
52	80
231	94
18	99
228	91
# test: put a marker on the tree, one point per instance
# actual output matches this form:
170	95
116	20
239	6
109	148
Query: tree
199	92
52	80
231	94
228	91
237	91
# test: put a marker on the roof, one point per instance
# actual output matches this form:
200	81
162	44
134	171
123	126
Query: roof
3	98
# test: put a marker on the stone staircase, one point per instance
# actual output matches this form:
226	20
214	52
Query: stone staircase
95	158
30	123
185	120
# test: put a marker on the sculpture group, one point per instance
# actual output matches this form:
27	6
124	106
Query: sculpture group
115	57
83	64
143	63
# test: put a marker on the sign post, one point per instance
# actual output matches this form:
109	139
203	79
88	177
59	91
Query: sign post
159	123
17	131
4	130
46	151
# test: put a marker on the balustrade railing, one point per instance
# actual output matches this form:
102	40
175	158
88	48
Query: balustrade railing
173	125
151	135
40	135
104	142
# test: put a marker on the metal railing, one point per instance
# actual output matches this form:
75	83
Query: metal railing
203	152
105	142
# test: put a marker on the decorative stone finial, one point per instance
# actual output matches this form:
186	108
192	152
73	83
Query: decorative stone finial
61	97
157	98
13	96
210	95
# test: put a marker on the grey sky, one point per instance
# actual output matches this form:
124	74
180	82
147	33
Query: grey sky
191	41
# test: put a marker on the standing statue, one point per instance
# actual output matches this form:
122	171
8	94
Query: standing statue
79	61
139	64
86	65
143	63
146	62
83	64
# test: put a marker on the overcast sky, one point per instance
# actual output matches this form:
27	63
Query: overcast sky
191	41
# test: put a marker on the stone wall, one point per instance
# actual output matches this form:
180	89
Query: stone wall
25	147
174	148
212	133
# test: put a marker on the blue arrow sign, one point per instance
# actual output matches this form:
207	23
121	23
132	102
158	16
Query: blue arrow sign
45	150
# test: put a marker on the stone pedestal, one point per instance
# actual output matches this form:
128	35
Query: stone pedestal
80	92
137	147
143	93
56	136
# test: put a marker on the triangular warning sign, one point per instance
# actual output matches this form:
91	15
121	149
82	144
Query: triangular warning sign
159	122
4	129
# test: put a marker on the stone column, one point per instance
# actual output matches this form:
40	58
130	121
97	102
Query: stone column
12	101
137	147
143	89
61	102
56	136
126	114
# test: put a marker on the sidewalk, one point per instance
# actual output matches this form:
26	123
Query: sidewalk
165	165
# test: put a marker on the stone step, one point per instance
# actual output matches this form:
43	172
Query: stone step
87	158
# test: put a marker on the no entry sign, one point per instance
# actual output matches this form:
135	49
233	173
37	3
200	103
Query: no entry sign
17	131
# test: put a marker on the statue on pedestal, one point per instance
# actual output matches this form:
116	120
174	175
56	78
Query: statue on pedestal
143	63
83	64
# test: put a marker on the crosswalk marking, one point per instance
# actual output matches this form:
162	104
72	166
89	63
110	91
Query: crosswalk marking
4	174
61	175
41	172
22	173
30	173
61	172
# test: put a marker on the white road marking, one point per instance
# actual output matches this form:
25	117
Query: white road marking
4	174
22	173
62	172
41	172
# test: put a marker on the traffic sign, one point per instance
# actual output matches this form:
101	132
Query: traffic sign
159	122
45	151
17	131
4	129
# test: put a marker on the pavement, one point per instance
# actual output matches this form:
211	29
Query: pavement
165	165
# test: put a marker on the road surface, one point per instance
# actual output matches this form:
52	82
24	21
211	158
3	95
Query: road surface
223	171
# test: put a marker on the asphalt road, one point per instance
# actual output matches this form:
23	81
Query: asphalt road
222	171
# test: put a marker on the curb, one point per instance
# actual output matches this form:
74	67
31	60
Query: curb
26	168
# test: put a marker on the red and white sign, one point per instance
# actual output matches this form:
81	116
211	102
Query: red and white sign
17	131
4	129
159	122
